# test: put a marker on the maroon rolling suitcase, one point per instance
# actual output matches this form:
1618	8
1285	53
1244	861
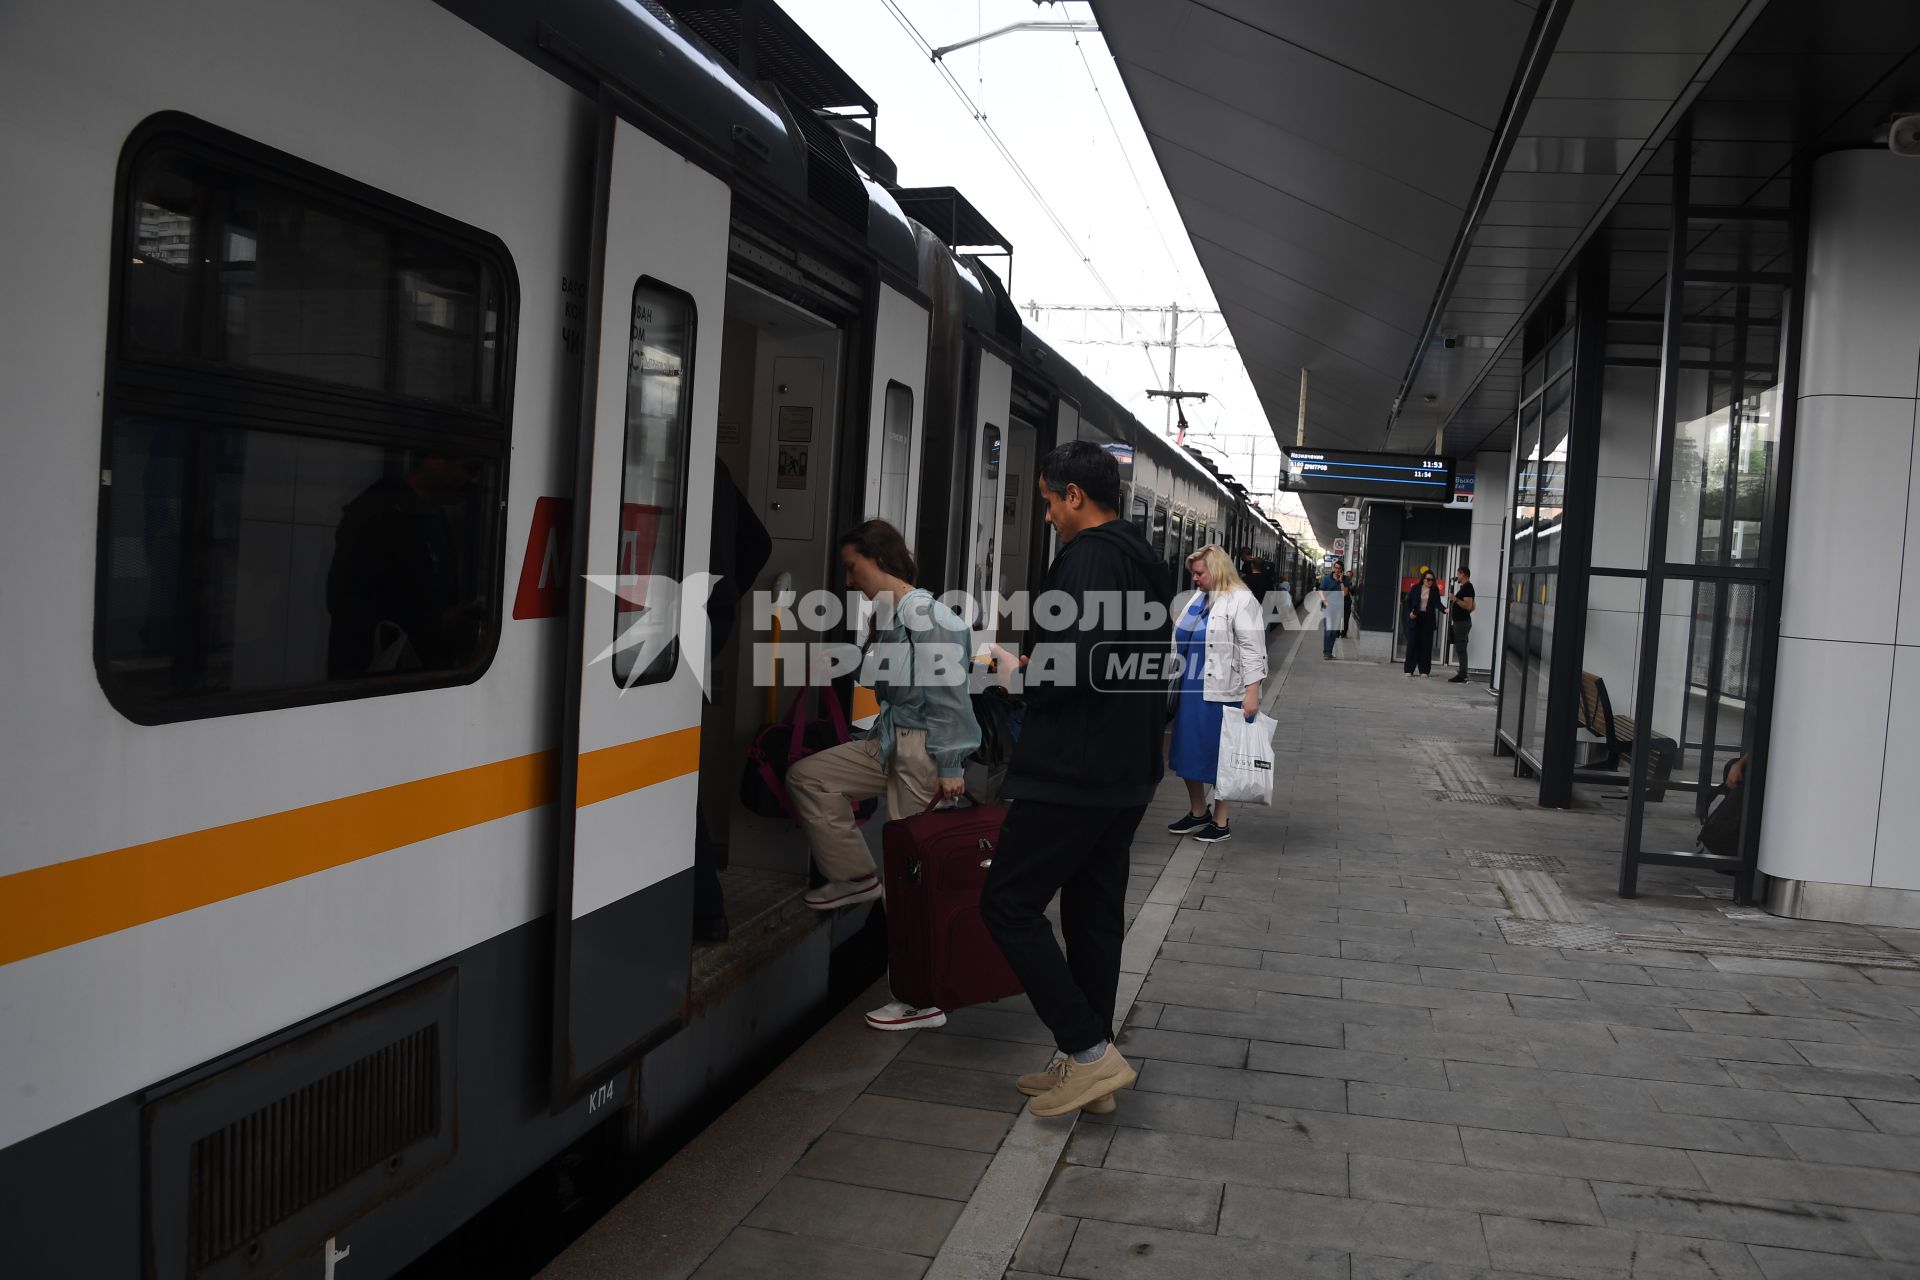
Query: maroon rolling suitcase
937	944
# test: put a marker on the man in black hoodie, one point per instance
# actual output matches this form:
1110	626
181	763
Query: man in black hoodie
1083	772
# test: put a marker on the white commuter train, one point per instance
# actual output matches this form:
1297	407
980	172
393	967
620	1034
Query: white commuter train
342	883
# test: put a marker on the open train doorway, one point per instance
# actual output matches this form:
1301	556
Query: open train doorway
779	434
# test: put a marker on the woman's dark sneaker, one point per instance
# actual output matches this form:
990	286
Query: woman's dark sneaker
1192	822
1211	834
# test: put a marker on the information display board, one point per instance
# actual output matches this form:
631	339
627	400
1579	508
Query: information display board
1398	477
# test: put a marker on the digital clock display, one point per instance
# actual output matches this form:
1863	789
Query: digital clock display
1402	477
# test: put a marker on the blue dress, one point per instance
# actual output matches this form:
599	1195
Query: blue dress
1195	753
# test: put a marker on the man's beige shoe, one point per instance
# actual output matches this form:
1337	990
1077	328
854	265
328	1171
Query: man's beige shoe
1035	1083
1083	1083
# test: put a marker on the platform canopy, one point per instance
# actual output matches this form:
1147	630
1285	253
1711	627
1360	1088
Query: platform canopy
1379	189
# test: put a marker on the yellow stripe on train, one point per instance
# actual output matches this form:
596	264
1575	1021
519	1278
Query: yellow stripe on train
64	903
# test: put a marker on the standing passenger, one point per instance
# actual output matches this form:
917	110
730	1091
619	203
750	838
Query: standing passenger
1462	620
1221	639
1425	606
1083	772
1333	607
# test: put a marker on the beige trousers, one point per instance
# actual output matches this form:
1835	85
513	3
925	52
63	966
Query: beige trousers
825	784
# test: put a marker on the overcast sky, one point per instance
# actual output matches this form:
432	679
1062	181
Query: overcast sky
1043	94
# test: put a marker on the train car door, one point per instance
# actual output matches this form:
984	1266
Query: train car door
1066	426
894	429
630	716
895	424
987	487
1016	517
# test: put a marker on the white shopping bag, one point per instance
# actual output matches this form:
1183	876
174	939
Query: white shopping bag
1245	772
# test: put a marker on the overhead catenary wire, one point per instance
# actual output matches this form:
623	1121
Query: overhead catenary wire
1127	314
1006	154
1146	204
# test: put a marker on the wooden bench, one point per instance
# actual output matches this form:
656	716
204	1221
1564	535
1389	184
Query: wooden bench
1616	735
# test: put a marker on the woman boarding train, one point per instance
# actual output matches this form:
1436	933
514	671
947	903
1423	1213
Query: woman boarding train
917	750
1221	638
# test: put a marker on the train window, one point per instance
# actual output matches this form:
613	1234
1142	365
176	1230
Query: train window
305	437
1140	516
896	445
229	265
1159	538
646	615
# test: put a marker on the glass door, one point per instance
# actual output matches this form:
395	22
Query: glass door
1414	557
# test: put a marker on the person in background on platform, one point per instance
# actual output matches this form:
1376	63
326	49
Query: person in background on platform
1083	772
1333	607
1255	577
740	549
1462	619
918	747
1424	606
1221	640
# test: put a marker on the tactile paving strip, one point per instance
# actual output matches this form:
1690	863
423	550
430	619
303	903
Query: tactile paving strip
1473	797
1557	933
1514	861
1769	950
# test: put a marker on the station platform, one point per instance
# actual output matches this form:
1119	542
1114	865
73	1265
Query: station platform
1399	1026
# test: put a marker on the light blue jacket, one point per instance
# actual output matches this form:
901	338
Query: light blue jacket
918	668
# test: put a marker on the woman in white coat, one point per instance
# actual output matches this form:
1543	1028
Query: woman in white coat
1221	638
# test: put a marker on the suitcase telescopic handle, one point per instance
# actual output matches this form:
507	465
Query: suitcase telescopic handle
935	802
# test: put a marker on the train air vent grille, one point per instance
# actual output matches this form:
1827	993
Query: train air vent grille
253	1161
832	182
265	1167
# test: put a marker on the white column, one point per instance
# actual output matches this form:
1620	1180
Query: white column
1838	829
1491	501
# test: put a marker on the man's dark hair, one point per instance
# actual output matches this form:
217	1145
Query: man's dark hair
1464	572
1086	464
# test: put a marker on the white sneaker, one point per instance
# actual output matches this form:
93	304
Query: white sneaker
842	893
904	1017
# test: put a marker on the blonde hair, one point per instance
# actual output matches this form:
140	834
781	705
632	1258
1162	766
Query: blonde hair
1220	570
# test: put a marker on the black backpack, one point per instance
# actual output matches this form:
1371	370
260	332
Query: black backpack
1720	833
998	714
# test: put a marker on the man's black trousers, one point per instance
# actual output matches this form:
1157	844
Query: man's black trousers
1083	855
